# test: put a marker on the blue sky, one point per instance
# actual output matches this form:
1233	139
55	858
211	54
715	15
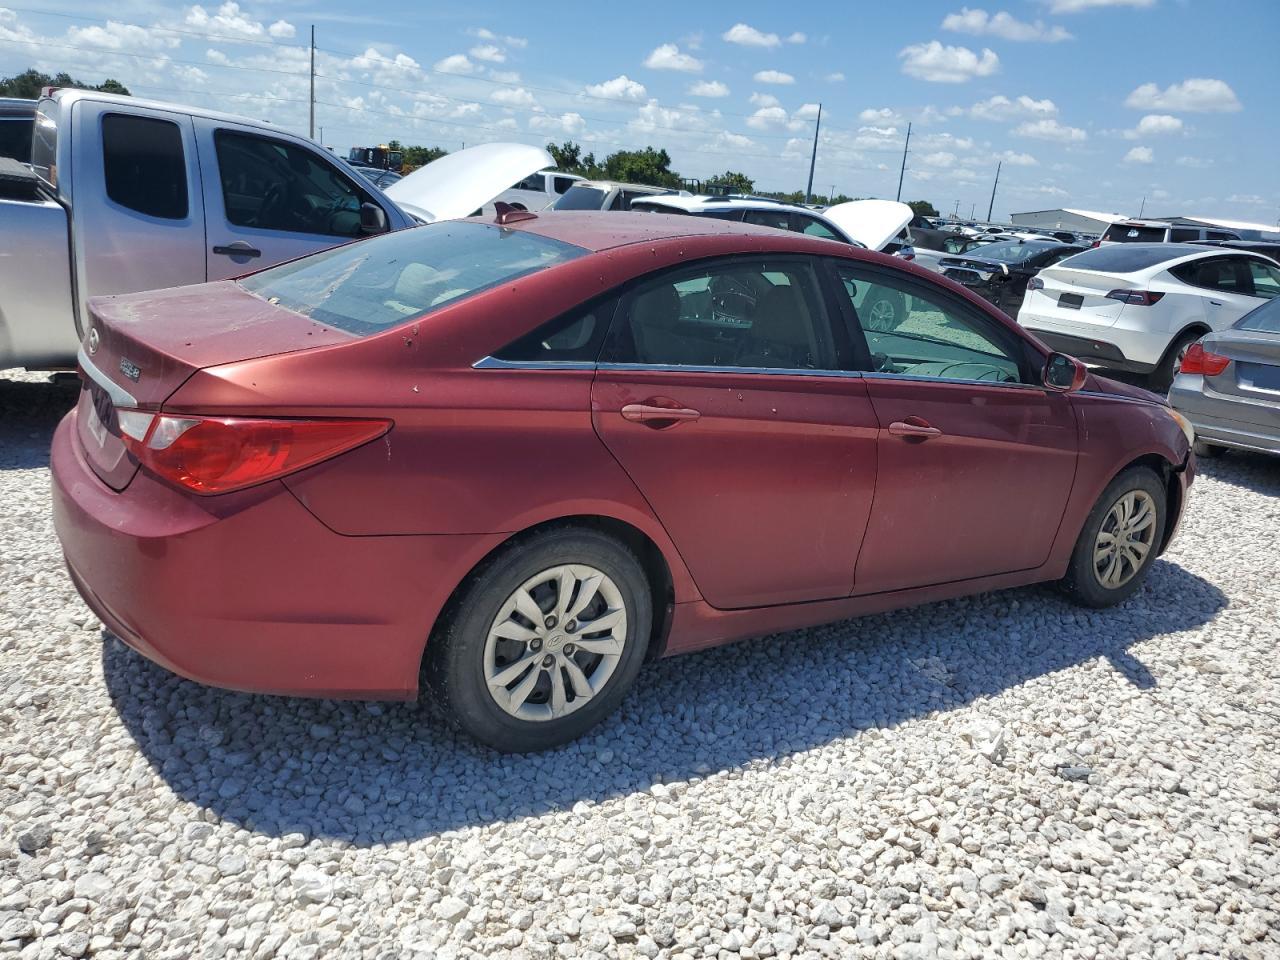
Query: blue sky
1089	103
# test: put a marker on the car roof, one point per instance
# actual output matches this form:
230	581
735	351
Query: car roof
700	202
69	95
618	184
605	230
1176	253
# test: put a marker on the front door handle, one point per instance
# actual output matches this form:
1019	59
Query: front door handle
1216	303
655	414
914	428
237	249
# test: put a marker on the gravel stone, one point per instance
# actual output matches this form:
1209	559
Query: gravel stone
891	787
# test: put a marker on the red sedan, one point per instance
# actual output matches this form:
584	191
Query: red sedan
519	458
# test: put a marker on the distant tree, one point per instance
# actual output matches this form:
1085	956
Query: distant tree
418	156
29	83
641	166
923	207
736	182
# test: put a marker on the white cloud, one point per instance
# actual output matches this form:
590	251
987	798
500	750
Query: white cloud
764	99
1004	25
504	76
228	20
708	88
519	97
1050	129
883	115
1015	159
1194	163
746	36
668	57
938	64
282	29
1197	95
766	117
1075	6
836	77
797	37
118	36
1250	198
458	63
619	88
1154	125
483	34
1139	155
939	159
216	56
489	52
774	76
735	141
1001	107
807	111
653	116
571	123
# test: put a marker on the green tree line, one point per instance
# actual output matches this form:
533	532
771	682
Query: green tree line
28	84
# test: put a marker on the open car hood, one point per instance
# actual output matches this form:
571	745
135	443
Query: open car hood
873	223
459	184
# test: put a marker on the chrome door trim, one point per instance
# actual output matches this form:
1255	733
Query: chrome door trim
493	363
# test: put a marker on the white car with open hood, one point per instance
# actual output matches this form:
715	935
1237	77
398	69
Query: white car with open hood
124	194
1140	306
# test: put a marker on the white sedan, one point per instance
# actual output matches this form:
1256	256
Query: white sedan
1139	306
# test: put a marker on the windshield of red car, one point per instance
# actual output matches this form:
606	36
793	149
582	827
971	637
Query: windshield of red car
374	284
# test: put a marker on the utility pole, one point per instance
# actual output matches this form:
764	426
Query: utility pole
993	191
313	81
1142	208
832	195
903	172
955	214
808	193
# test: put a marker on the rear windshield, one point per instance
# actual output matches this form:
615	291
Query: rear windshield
581	198
1265	318
15	136
1124	233
1012	251
367	287
1124	258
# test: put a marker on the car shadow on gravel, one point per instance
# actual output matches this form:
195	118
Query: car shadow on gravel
29	412
378	773
1256	472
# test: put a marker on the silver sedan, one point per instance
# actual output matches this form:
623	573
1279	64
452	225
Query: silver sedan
1229	385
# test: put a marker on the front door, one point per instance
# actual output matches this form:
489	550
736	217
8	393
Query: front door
719	396
976	458
269	199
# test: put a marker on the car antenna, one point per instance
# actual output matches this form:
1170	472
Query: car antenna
508	213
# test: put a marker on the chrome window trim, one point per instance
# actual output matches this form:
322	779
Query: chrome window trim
882	375
683	368
493	363
118	394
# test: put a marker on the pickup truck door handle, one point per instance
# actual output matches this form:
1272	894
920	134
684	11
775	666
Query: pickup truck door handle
1216	303
657	414
916	428
237	249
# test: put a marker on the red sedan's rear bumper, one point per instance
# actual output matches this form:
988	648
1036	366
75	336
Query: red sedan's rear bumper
249	590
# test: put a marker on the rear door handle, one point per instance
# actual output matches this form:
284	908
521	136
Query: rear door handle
656	415
914	427
237	249
1216	303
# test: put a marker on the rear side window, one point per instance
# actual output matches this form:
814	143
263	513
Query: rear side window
1266	279
1127	233
1183	234
581	198
15	136
573	338
144	165
816	228
367	287
779	219
1219	274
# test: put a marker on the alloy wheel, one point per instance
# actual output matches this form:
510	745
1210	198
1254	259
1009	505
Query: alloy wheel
555	642
1124	539
883	315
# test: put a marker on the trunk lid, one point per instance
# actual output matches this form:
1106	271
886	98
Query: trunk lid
873	223
1065	285
140	348
1254	371
459	184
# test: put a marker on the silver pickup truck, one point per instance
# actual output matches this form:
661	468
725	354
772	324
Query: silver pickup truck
124	195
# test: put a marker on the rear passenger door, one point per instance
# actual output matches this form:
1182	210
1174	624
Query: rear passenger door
269	199
720	394
138	214
1226	287
976	458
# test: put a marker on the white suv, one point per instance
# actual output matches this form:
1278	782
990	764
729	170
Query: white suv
1158	231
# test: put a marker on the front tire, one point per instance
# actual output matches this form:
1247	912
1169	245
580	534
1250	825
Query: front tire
1119	541
543	642
1207	451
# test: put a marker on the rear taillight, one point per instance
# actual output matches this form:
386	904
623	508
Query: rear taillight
1035	283
1139	298
1096	243
209	455
1199	360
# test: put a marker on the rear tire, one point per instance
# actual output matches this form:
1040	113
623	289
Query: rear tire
1208	451
573	676
1161	378
1106	567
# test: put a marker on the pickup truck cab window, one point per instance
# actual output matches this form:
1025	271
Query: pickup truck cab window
276	185
144	165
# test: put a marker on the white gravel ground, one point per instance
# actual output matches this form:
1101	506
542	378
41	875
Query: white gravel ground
1002	776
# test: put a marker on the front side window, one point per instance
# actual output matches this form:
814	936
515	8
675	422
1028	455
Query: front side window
778	219
755	314
915	335
367	287
144	165
1266	279
276	185
816	228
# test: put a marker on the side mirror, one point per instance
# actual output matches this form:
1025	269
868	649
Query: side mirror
373	219
1063	373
